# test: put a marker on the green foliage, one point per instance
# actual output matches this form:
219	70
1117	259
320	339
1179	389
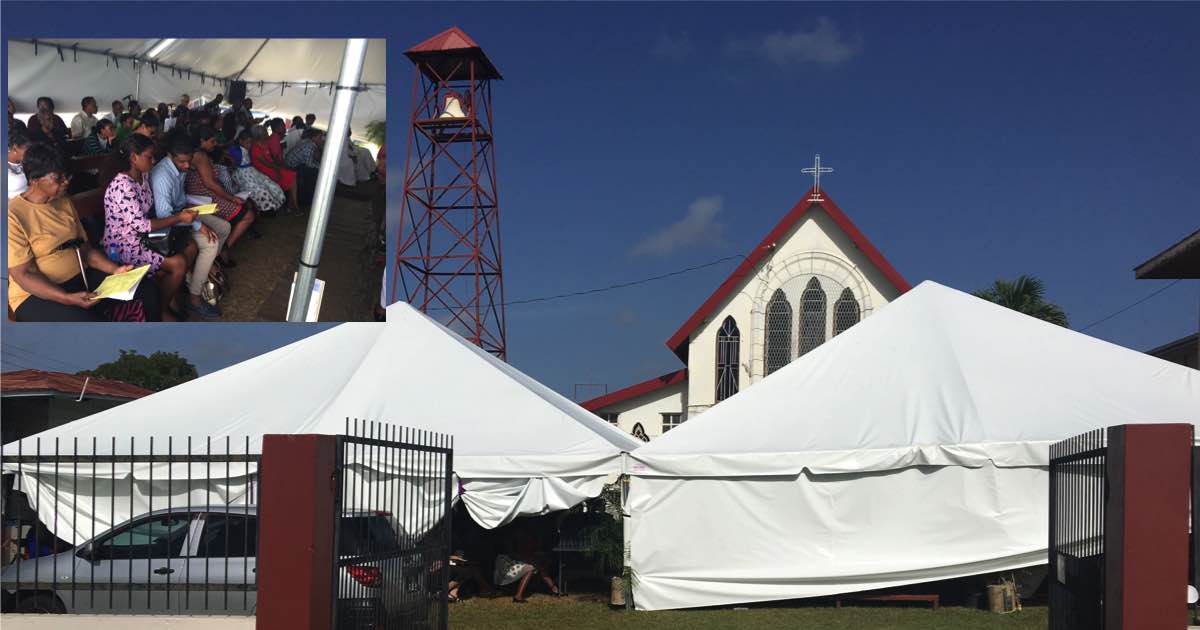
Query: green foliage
1027	295
377	132
157	371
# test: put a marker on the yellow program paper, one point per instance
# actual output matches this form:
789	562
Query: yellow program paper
121	286
208	208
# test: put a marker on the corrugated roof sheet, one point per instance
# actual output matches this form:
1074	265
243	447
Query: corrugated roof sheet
41	381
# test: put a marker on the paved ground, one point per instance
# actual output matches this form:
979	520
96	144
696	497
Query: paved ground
124	622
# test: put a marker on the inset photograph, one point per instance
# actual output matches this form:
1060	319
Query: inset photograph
195	180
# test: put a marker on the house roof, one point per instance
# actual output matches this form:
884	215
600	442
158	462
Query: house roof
633	391
1181	260
35	382
678	341
444	50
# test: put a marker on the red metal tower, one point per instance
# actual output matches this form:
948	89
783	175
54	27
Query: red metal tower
448	261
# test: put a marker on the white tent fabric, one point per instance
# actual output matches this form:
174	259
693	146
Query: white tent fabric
283	66
519	447
912	447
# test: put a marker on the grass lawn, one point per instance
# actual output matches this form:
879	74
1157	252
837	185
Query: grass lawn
547	613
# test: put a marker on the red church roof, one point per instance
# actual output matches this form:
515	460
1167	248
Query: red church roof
633	391
42	382
678	341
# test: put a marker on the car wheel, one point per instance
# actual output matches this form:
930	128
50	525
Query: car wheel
40	604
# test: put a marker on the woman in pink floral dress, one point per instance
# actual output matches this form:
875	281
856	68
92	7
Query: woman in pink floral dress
128	204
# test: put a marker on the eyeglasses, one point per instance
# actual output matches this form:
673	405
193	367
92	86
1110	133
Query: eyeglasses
59	179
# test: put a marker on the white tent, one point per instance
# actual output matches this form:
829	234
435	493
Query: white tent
913	447
285	77
519	447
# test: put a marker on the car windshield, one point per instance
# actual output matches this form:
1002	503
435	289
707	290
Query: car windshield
155	537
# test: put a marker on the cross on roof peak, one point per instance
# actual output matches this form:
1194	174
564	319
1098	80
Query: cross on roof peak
815	170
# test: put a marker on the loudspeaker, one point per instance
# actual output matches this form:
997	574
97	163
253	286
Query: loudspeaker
237	91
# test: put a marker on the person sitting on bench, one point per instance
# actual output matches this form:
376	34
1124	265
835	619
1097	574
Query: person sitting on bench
18	142
128	208
52	270
208	231
101	139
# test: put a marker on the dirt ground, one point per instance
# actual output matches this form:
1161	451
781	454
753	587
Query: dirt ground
350	265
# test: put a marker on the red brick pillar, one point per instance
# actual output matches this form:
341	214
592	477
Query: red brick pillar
295	533
1146	526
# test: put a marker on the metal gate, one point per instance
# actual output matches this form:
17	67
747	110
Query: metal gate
392	494
1078	496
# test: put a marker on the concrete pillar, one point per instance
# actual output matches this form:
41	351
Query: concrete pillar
295	532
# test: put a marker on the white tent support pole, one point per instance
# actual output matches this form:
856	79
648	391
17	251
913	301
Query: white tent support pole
137	86
335	148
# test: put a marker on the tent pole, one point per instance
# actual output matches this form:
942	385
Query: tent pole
137	86
335	147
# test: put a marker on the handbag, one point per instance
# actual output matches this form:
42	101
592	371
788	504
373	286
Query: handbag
167	242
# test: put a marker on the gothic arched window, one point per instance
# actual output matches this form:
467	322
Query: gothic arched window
845	312
812	317
779	332
729	341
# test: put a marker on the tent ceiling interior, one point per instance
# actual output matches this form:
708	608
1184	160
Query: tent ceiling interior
65	71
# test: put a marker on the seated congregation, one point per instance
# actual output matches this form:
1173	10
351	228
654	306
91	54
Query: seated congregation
104	195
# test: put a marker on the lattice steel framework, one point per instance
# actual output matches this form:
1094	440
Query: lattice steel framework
846	312
812	317
448	255
729	346
778	348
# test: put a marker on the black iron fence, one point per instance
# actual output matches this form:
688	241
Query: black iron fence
392	527
1078	496
108	526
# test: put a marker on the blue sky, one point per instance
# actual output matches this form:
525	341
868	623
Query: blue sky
969	142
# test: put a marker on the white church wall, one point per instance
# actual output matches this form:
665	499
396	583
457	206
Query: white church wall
816	247
647	409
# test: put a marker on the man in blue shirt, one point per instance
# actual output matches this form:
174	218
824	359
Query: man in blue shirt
209	231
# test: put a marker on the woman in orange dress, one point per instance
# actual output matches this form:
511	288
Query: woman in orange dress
267	155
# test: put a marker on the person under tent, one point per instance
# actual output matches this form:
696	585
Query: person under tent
125	126
202	181
102	138
267	155
293	133
118	108
52	269
85	120
208	231
128	208
267	195
18	143
305	158
47	127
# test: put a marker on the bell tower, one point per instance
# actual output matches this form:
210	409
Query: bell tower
448	262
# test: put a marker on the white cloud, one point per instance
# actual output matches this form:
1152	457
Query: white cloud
823	44
673	47
698	228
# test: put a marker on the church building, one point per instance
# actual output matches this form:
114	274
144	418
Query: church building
811	278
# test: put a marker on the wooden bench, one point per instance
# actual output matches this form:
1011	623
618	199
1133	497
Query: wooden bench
74	147
906	597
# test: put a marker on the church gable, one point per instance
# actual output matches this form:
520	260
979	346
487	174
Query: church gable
813	238
811	277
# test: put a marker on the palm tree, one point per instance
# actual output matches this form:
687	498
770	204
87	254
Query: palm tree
1025	295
